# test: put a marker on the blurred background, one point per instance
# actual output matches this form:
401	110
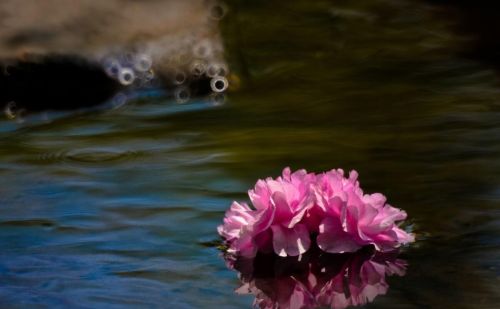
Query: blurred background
120	150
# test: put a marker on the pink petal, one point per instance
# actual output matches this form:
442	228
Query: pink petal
389	215
287	173
290	242
238	216
260	195
332	238
377	200
264	241
283	211
244	246
403	237
366	214
306	204
263	220
313	218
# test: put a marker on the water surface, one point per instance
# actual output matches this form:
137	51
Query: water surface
113	208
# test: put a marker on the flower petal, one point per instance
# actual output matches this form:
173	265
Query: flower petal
290	242
333	239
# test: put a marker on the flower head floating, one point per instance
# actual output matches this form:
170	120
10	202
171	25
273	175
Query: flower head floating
296	209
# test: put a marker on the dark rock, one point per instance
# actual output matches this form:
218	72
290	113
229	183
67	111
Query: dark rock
54	83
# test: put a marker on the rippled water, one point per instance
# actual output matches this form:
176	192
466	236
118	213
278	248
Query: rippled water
116	207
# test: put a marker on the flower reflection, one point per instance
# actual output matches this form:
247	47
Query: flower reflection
316	279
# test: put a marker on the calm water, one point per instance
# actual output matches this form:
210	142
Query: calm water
113	208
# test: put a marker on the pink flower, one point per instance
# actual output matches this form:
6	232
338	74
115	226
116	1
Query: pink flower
289	211
336	280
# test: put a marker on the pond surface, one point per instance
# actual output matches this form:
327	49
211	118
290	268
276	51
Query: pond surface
115	208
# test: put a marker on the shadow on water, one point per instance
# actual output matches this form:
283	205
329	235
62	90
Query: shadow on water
109	209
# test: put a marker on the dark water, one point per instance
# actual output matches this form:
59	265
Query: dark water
113	208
